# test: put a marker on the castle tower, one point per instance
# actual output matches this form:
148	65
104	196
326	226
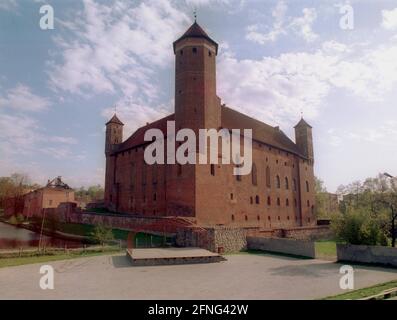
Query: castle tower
114	133
304	139
196	103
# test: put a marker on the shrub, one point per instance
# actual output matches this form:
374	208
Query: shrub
102	234
360	228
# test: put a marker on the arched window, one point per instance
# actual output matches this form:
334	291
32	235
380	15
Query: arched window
144	167
154	173
287	202
212	170
254	175
268	183
307	186
308	203
269	201
278	182
286	183
295	187
257	199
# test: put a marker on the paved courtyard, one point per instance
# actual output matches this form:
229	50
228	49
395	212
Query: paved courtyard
243	276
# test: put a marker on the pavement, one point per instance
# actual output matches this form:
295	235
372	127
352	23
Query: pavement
243	276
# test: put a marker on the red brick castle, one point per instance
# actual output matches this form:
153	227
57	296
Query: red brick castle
279	192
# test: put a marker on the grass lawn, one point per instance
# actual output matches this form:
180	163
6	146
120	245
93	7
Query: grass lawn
325	249
366	292
55	256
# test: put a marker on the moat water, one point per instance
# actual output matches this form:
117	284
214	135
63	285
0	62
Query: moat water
12	237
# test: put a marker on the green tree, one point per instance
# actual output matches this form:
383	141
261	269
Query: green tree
102	234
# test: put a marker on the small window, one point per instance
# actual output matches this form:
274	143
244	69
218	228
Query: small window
209	53
181	52
194	50
308	203
286	183
232	217
288	218
269	201
257	199
278	202
296	203
258	218
278	218
287	202
231	196
251	200
212	170
246	218
268	218
278	182
155	197
307	186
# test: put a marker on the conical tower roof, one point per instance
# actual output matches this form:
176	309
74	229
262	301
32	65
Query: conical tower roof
196	31
115	120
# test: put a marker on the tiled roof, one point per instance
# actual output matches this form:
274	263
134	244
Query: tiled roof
261	131
195	31
231	119
115	120
303	123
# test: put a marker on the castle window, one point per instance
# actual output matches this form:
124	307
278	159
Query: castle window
295	186
232	217
154	173
194	50
268	218
308	203
258	217
278	218
181	52
268	184
285	163
286	183
312	210
307	186
144	173
278	182
257	199
287	202
132	181
288	218
212	170
269	201
278	202
155	197
251	200
254	175
231	196
246	218
296	203
179	170
277	161
209	53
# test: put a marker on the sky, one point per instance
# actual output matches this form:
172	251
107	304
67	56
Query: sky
277	61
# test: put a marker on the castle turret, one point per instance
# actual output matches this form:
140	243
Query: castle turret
304	139
114	133
196	103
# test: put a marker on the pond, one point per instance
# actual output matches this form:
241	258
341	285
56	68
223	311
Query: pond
12	237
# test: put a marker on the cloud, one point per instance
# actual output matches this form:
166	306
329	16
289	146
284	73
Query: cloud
22	98
282	24
277	89
389	19
117	47
8	5
384	134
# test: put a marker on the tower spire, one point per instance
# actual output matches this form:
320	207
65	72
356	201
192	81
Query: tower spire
195	14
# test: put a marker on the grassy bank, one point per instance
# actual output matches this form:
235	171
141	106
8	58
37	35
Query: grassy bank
325	249
35	257
366	292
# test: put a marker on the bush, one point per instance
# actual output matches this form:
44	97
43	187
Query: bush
102	234
360	228
13	220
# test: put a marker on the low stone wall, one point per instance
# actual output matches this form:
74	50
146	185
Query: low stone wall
285	246
308	233
216	239
367	254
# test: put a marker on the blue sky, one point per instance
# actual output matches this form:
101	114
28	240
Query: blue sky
277	59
